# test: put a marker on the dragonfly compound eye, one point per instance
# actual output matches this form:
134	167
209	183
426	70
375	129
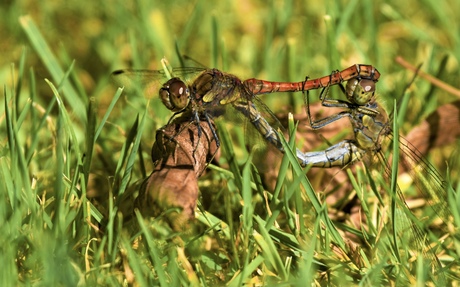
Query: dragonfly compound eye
360	92
175	94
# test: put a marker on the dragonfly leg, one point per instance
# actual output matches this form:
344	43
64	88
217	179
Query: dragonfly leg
199	131
197	121
211	127
317	124
328	120
213	130
334	103
175	114
359	92
209	121
368	109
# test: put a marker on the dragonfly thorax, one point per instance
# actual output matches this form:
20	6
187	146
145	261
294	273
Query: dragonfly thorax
360	91
175	94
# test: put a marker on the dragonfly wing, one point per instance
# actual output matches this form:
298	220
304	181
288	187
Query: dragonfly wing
403	221
427	179
148	82
187	72
145	82
259	129
271	120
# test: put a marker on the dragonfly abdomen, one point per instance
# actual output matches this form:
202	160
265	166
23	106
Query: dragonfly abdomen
257	87
340	155
259	122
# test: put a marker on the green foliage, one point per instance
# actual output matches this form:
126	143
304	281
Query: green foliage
73	144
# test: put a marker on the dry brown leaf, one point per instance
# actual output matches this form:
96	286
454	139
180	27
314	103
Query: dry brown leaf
442	127
181	156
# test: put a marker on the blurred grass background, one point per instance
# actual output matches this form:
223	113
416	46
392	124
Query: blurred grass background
272	40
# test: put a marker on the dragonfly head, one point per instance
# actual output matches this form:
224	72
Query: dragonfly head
360	91
175	94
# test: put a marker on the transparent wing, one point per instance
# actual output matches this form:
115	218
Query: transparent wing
403	221
148	82
426	177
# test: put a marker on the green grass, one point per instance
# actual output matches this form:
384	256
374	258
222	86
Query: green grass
73	144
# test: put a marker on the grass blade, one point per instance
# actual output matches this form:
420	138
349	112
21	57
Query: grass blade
46	55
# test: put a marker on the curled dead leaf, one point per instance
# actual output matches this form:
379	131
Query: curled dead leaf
181	152
441	127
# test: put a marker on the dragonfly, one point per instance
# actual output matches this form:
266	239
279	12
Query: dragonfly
204	92
371	126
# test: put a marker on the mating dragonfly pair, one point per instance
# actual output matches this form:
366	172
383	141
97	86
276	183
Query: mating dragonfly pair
210	90
204	92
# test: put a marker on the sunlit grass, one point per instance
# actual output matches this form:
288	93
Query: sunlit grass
73	144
